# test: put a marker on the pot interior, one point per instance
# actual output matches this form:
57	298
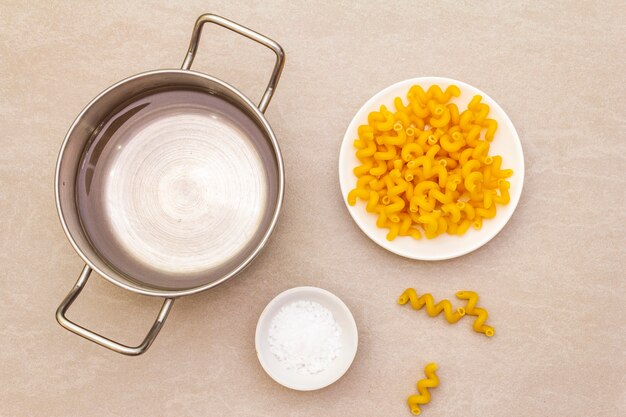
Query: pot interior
176	187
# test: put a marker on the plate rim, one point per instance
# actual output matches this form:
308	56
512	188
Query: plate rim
389	245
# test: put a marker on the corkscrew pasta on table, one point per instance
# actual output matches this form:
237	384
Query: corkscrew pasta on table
427	301
451	315
425	167
481	314
431	381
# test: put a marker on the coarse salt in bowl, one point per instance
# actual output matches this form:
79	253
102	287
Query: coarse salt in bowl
281	346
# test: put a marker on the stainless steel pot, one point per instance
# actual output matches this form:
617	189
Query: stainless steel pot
169	183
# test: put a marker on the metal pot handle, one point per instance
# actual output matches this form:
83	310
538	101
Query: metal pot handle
101	340
250	34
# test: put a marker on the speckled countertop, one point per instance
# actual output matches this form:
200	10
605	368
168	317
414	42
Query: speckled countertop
553	279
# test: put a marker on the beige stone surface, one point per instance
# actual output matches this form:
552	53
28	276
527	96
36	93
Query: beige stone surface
553	279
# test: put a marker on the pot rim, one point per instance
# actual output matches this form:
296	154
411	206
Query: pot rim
188	291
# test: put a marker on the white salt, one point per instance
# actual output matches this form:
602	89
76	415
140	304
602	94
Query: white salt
304	336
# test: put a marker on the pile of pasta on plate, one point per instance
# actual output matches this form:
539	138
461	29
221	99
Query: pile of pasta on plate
425	166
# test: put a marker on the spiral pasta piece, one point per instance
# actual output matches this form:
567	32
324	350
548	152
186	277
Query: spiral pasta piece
481	314
424	166
431	381
433	310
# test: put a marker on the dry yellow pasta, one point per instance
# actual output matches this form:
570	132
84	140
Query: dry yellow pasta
426	168
427	301
431	381
481	314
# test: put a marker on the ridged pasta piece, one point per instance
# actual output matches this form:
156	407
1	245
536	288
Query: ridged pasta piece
382	217
400	185
441	116
418	122
442	226
402	119
488	198
451	91
442	174
375	116
394	229
473	135
462	227
474	103
405	224
376	185
387	123
453	210
481	112
491	126
470	166
452	227
431	381
481	314
450	144
417	92
379	169
364	168
435	92
481	149
495	168
465	155
432	151
504	197
415	233
369	150
372	202
424	186
359	143
398	140
411	151
453	182
363	181
430	225
357	193
396	205
472	180
433	310
366	133
439	196
389	153
487	213
397	102
465	120
422	161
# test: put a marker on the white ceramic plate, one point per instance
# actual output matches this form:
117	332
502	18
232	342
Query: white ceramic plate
289	377
506	143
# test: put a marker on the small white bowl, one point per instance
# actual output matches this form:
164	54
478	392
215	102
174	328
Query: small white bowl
505	143
289	377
